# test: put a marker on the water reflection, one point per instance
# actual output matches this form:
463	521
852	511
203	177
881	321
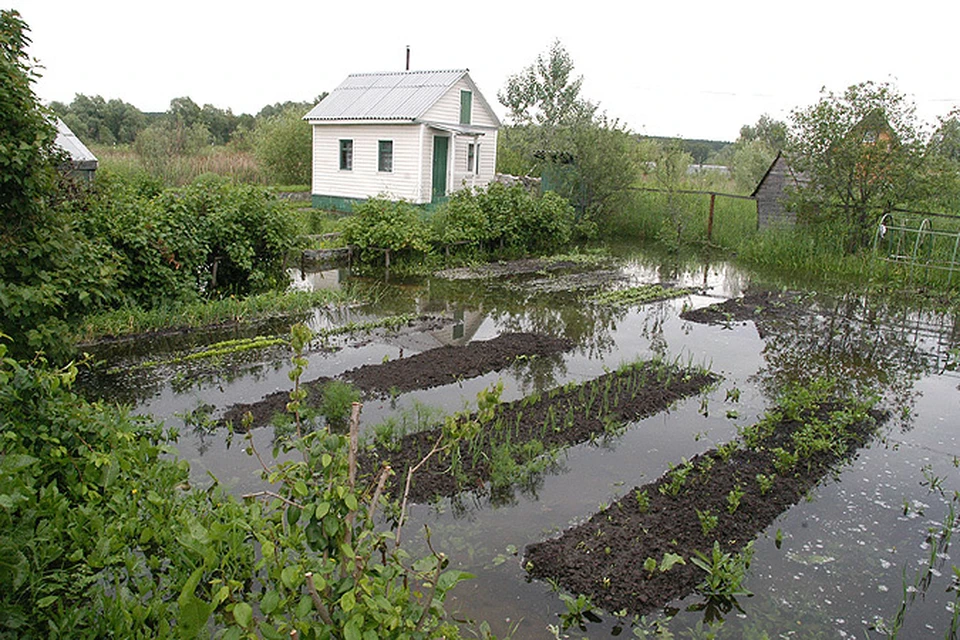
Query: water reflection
859	521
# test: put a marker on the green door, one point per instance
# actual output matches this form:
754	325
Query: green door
440	145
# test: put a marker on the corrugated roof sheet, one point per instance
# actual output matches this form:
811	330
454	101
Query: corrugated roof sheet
69	142
399	95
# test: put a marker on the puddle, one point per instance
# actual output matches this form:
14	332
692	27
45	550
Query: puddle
841	559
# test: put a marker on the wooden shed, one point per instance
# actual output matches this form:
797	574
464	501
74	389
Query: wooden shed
772	193
408	135
82	163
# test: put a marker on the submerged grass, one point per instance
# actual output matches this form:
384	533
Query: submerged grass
640	295
132	321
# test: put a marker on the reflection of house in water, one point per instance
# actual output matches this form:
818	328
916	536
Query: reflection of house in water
317	280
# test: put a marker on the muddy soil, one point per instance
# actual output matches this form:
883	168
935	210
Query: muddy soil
446	365
570	422
436	367
759	306
604	557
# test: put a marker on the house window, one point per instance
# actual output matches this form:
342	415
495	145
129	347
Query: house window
346	155
385	156
471	157
466	105
476	158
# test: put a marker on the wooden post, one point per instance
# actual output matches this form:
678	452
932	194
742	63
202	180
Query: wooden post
713	198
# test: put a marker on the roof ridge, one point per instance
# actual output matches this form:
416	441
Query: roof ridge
397	73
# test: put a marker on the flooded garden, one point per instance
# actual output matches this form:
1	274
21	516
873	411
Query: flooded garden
618	416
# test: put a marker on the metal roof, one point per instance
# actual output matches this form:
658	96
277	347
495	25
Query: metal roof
78	152
399	95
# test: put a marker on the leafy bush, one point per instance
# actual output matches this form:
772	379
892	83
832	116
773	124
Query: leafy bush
178	244
523	222
461	220
384	224
102	536
282	146
49	273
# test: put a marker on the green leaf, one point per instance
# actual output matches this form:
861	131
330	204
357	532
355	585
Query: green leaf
46	602
348	601
243	614
670	559
269	632
323	508
293	514
269	602
290	577
351	501
448	579
351	630
304	607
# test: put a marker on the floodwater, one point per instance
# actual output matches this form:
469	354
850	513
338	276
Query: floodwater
872	540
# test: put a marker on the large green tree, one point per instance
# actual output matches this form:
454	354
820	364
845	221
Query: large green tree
863	151
282	146
556	133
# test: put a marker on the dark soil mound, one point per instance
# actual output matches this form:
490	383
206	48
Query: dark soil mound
604	557
564	417
758	306
446	365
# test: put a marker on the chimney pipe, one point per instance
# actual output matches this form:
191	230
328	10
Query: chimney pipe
408	57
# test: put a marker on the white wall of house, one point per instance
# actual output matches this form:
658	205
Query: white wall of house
411	176
364	180
481	174
447	108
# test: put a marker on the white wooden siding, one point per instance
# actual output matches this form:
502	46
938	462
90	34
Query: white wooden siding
447	108
364	180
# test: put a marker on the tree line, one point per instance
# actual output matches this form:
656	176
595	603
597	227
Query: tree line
276	135
863	151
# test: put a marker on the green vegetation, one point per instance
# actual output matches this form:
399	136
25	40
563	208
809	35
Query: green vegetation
642	294
188	141
102	535
586	157
499	219
708	521
252	310
725	573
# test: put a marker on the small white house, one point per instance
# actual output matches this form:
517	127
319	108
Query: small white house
406	135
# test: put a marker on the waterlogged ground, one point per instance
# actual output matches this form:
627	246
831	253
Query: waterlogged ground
871	541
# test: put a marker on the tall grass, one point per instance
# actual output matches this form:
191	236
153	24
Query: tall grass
805	251
179	170
205	313
683	218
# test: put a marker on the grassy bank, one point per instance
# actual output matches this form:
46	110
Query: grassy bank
258	308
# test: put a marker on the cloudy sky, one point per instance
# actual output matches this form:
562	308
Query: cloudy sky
695	69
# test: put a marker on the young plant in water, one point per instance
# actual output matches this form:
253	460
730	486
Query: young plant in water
725	573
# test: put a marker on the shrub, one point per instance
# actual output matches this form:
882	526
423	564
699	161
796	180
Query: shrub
461	220
101	535
212	237
384	224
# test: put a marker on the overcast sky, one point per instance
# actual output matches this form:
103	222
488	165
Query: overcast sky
689	68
